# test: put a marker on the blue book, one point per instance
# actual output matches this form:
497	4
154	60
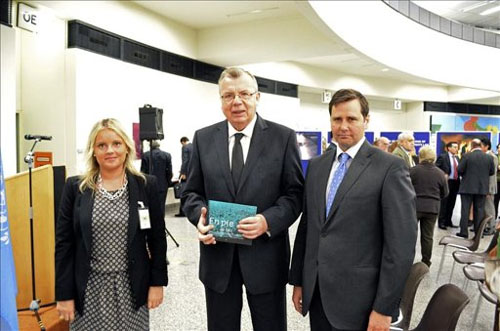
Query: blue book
225	217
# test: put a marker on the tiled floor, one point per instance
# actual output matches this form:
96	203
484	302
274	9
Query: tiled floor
184	304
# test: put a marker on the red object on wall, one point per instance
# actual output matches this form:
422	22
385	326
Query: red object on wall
42	158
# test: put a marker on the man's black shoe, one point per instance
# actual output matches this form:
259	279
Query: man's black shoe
462	235
180	215
442	227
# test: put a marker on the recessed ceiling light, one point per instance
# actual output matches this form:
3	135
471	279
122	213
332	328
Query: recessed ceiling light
475	5
490	11
255	11
385	69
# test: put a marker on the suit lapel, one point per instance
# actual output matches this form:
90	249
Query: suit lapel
86	205
133	198
257	146
324	168
448	163
358	165
405	155
221	142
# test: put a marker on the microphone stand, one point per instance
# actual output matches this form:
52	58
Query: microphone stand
34	305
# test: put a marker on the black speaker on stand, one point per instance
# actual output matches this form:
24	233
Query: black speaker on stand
151	128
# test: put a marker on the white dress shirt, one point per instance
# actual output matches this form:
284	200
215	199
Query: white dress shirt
245	140
352	153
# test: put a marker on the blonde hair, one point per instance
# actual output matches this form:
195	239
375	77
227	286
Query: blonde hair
89	178
426	154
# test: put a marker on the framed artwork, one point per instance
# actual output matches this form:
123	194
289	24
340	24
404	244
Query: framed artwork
462	138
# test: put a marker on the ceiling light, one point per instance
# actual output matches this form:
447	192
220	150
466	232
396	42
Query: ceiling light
385	69
474	6
490	11
255	11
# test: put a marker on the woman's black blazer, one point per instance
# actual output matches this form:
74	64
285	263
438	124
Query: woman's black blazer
74	241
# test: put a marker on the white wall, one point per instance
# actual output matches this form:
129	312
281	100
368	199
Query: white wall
313	115
8	99
43	88
102	91
129	20
306	75
62	92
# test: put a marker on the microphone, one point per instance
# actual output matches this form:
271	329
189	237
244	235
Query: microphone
36	137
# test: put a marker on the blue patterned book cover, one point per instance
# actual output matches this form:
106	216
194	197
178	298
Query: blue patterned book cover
225	217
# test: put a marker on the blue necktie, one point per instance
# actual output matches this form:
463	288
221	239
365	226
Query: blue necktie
336	180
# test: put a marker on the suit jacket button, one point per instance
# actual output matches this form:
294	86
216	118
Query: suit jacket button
323	234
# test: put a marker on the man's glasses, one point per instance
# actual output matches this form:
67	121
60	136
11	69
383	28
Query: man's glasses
244	95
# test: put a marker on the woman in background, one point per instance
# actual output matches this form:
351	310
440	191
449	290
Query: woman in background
110	244
431	186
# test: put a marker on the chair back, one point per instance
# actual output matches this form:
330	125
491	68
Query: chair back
444	309
479	233
417	273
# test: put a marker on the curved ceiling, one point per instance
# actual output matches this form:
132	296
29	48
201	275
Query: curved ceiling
314	41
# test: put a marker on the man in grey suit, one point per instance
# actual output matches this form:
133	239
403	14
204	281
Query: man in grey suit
475	167
405	148
356	239
247	160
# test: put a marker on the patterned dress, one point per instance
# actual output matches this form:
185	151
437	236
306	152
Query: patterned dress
108	302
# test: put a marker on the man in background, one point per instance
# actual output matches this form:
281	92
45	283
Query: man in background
475	167
187	150
248	160
382	143
448	162
489	207
405	148
355	243
161	169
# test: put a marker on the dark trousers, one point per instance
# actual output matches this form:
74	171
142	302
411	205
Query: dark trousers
181	206
477	200
427	224
268	310
163	199
317	316
497	199
448	203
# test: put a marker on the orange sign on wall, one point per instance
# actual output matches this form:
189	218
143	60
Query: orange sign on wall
42	158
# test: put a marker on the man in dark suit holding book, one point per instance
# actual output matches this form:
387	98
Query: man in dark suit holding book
246	160
356	239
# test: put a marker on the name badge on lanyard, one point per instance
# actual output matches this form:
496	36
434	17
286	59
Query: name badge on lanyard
144	221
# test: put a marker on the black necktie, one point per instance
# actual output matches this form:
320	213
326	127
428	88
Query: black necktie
237	160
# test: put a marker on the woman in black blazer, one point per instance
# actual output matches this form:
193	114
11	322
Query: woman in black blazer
431	186
110	244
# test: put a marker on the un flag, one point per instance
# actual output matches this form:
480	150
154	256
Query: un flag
8	285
